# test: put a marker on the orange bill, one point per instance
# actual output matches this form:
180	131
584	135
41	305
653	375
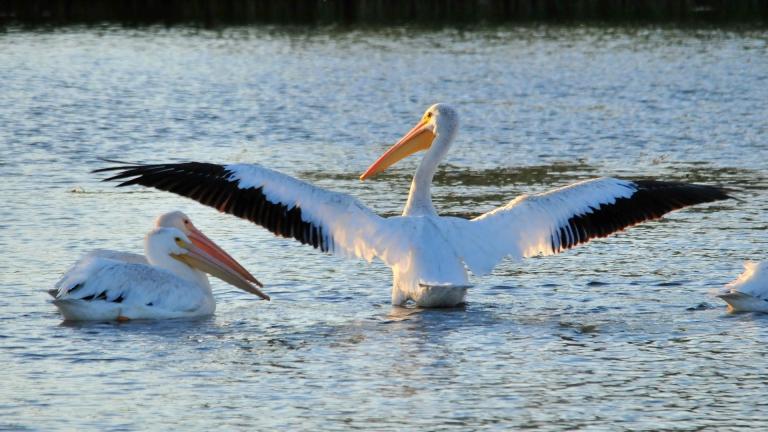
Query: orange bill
195	256
209	246
417	139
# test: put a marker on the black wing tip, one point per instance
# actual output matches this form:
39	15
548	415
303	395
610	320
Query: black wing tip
212	185
117	161
651	200
706	193
121	165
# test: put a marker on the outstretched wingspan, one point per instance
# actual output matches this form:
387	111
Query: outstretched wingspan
540	224
288	207
551	222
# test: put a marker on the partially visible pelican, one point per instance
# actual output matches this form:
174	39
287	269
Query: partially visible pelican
749	292
429	255
167	283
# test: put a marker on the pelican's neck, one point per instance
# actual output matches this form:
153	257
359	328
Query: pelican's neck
178	268
420	197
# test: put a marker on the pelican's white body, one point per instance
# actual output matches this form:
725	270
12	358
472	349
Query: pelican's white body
129	286
749	292
430	272
429	255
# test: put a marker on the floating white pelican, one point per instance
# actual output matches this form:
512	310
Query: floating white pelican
749	292
428	254
168	283
179	220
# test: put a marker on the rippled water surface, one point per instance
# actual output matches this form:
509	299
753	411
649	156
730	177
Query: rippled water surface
622	333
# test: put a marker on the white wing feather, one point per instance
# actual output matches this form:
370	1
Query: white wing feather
525	227
102	282
753	281
355	230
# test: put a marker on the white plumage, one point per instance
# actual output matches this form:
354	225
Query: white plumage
749	292
429	255
111	285
354	229
98	288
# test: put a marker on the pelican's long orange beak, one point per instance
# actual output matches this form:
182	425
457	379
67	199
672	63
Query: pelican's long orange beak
417	139
211	248
199	258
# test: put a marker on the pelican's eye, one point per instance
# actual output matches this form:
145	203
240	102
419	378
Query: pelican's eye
429	115
186	221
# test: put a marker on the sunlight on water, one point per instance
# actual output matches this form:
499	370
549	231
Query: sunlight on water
619	334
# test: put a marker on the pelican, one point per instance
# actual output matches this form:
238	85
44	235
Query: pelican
749	292
179	220
429	255
167	283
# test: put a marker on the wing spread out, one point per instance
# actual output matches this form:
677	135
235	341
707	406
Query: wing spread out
329	221
548	223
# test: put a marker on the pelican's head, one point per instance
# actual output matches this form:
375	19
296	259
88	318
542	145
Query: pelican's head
179	220
439	120
175	219
168	241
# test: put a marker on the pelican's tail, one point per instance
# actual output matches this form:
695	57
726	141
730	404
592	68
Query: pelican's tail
83	310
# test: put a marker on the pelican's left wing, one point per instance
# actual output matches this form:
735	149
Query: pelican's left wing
548	223
288	207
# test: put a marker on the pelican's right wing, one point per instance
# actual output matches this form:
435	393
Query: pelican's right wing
288	207
551	222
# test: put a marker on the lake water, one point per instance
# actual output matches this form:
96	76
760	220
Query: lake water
620	334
